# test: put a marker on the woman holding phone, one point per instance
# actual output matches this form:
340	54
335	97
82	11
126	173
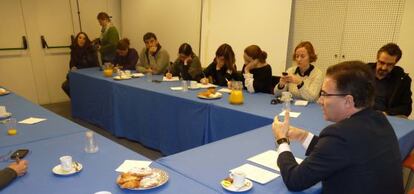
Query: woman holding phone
304	80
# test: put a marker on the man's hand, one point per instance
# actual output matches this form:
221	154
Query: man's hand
19	167
168	75
153	49
280	129
297	134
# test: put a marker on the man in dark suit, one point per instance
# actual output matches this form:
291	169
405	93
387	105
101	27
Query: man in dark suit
358	154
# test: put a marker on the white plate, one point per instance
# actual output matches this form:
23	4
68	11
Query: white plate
77	167
121	78
5	116
217	95
137	75
193	88
247	186
163	176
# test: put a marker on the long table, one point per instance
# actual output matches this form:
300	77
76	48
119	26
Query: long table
20	108
156	116
210	163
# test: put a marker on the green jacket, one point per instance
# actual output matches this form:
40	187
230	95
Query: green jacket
109	41
159	61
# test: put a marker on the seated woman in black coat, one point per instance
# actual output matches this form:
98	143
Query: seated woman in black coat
82	55
223	68
257	73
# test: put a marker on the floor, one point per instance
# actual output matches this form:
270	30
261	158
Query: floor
64	109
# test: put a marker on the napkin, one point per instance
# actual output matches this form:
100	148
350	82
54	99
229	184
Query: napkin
269	159
176	88
291	114
129	164
301	103
200	85
165	79
31	120
256	174
225	90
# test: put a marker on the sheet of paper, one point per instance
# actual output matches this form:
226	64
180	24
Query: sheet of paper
129	164
269	159
291	114
256	174
138	75
301	103
200	85
225	90
178	88
31	120
165	79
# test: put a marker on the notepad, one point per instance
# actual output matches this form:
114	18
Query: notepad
127	165
31	120
165	79
269	159
256	174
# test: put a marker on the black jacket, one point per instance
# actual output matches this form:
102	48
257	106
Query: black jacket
358	155
399	102
7	175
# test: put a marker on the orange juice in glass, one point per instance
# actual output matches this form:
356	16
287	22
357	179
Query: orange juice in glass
236	94
108	72
11	126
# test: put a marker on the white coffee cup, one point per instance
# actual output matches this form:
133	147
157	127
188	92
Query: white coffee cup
193	84
238	178
127	72
66	163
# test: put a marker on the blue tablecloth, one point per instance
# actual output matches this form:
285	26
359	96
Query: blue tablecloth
209	164
98	171
153	114
21	109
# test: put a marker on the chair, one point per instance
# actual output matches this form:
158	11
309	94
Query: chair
275	81
409	163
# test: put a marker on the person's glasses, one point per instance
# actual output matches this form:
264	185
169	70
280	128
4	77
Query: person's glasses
325	94
385	63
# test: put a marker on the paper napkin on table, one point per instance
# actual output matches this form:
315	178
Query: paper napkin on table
165	79
200	85
256	174
31	120
291	114
127	165
225	90
176	88
301	103
269	159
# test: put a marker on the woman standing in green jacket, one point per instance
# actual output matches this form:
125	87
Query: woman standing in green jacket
109	38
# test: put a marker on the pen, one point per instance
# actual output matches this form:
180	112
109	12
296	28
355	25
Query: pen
17	158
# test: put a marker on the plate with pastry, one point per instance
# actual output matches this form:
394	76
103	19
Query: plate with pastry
123	77
227	184
4	92
210	94
142	179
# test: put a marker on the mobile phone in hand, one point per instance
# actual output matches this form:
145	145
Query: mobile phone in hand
22	153
284	73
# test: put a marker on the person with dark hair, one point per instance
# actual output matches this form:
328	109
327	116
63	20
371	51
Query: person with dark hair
15	169
359	153
109	38
125	56
82	55
153	58
187	65
392	83
223	68
304	80
257	73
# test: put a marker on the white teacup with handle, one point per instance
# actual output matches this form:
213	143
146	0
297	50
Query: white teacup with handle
238	178
66	163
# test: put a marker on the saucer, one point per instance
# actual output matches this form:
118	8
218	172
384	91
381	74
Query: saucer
5	115
121	78
77	167
248	184
193	88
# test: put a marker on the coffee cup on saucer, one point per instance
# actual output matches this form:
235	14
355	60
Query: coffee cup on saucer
66	163
238	178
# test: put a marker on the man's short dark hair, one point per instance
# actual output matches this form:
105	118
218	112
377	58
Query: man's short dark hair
391	49
356	79
149	35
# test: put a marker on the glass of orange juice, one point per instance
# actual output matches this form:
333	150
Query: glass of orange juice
236	94
11	126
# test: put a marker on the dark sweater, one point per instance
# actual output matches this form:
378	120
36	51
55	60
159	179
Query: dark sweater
129	61
83	57
220	77
262	78
7	175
